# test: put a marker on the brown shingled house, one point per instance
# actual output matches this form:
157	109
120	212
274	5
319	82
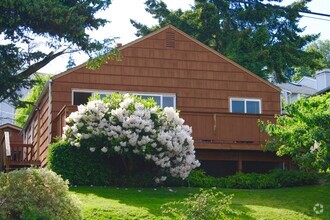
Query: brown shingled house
221	100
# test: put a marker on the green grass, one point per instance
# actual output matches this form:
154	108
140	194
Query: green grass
122	203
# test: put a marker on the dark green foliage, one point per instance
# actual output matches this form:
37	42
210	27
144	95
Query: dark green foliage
83	167
303	133
63	25
260	37
274	179
78	165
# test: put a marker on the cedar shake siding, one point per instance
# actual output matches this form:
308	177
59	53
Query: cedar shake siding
203	82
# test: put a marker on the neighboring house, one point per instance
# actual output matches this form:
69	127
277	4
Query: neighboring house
305	87
14	154
221	100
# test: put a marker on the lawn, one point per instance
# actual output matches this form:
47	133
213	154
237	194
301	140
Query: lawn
144	203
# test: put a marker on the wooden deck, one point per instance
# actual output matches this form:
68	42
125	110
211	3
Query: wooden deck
21	155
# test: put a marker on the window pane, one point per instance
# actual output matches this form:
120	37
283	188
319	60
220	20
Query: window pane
102	95
80	98
237	106
168	101
156	98
252	107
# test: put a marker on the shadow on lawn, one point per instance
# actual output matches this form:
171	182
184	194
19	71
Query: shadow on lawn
299	199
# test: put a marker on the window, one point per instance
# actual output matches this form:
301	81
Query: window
157	98
163	100
248	106
80	98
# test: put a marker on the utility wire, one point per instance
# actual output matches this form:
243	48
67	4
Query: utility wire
322	19
283	8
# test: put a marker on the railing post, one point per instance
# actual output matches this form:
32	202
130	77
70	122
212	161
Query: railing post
214	126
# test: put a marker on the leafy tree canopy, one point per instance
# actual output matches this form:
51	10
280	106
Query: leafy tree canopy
62	23
259	36
21	114
320	46
303	133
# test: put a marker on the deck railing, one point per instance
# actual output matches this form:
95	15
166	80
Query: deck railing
20	155
210	130
227	130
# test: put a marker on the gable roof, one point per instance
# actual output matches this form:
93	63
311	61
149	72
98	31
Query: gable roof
190	38
8	125
295	88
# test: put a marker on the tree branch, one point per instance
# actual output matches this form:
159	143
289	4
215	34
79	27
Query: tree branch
36	66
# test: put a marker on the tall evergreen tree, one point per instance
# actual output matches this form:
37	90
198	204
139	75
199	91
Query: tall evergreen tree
63	23
260	36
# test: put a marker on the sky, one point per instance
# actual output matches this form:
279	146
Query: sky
121	11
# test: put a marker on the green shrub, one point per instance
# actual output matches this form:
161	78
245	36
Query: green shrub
295	178
207	204
79	165
273	179
82	167
36	194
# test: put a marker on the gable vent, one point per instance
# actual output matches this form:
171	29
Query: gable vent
170	39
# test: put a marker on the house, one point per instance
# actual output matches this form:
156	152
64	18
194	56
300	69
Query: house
221	100
305	87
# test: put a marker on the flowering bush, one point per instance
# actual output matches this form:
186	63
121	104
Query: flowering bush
129	126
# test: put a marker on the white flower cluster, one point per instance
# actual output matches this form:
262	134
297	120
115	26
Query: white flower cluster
157	135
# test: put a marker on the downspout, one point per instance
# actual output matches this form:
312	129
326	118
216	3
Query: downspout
49	109
38	135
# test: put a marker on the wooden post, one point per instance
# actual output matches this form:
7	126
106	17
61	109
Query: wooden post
214	126
240	162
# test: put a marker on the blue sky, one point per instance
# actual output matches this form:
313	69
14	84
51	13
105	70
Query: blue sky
121	11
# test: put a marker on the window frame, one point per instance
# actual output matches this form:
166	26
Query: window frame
245	100
109	92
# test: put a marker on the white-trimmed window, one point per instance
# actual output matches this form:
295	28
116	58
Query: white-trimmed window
163	100
247	106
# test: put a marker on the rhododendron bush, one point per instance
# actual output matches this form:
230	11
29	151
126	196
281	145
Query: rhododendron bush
127	126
